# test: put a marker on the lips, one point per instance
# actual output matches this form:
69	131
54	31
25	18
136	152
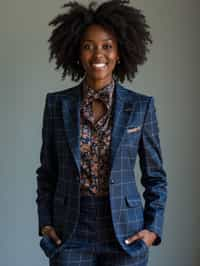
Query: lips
99	65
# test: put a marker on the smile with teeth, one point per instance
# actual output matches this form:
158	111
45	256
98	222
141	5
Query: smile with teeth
99	65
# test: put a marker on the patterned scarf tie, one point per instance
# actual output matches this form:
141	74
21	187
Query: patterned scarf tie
99	95
103	95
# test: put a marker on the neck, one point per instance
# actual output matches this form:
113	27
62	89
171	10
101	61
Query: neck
98	84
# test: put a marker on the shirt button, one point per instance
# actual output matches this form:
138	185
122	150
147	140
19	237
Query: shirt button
112	181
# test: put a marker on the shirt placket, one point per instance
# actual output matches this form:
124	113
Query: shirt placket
94	160
95	137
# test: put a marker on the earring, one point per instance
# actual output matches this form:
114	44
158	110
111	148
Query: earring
118	61
78	62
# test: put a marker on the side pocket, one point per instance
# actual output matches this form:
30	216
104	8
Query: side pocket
49	247
135	213
132	202
146	247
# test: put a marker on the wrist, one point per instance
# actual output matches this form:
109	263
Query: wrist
154	236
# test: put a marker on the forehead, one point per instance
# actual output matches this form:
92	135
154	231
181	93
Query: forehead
98	33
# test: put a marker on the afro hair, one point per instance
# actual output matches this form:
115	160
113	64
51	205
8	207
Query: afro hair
126	22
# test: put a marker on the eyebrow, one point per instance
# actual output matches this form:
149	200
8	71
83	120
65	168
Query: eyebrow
102	40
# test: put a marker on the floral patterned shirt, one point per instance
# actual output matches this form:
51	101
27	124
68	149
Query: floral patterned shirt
95	140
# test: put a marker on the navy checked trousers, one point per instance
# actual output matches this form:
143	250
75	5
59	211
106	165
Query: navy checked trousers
93	243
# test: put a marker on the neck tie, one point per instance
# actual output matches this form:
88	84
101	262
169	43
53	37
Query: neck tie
102	95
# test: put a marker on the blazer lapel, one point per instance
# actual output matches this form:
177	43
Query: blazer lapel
122	109
71	117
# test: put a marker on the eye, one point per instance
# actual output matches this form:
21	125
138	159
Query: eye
107	46
87	46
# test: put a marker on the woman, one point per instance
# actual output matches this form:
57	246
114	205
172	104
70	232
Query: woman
90	211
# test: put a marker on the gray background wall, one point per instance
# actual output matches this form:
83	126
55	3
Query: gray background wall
171	75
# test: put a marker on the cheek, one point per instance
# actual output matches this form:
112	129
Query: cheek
113	56
84	58
113	60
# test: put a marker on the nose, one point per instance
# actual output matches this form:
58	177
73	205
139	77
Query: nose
98	53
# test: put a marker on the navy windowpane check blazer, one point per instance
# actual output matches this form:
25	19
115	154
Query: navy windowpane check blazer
135	132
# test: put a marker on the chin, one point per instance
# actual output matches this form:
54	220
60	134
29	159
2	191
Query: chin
99	76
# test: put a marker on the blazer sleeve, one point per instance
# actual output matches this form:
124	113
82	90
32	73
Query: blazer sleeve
47	171
154	178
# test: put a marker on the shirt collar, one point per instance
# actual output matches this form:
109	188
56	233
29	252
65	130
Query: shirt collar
109	88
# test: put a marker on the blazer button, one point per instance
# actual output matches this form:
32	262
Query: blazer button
112	181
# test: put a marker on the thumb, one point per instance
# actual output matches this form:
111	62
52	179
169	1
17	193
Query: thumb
133	238
55	237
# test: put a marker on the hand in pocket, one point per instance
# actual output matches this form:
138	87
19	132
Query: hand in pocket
49	247
50	241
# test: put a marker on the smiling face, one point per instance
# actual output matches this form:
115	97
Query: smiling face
98	54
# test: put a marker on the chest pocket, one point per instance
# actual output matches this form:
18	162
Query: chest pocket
132	135
130	143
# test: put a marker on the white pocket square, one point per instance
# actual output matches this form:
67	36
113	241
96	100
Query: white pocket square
133	129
